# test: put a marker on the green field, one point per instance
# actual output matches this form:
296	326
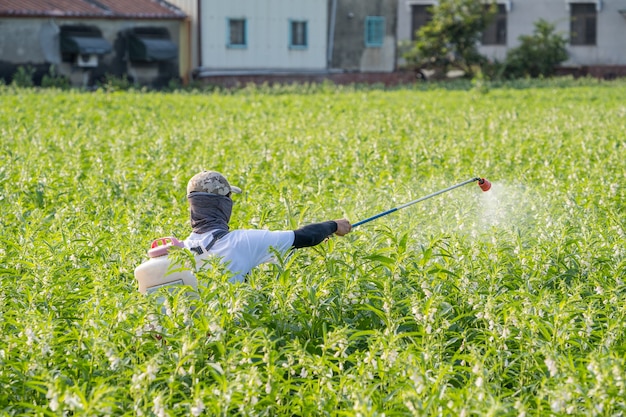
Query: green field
510	302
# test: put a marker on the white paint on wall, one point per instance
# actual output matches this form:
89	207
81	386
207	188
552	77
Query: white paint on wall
267	26
379	59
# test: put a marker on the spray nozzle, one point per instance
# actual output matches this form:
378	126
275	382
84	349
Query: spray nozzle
484	184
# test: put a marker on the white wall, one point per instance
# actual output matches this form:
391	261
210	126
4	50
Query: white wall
611	38
267	34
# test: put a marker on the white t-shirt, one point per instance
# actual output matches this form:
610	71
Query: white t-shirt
241	250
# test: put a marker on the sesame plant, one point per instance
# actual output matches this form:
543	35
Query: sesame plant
510	302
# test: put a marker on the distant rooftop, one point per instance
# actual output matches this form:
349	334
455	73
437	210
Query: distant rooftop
111	9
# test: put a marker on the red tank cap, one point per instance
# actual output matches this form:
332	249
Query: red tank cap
161	246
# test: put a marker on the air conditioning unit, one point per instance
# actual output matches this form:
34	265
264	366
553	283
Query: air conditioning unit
87	60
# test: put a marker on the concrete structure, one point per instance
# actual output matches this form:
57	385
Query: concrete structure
192	10
364	35
85	41
596	29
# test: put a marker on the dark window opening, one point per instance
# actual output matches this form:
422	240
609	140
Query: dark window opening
583	23
237	32
495	33
298	36
421	14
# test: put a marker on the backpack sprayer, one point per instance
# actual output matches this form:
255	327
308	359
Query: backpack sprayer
482	183
155	272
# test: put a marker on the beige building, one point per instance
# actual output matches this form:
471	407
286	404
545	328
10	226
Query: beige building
87	41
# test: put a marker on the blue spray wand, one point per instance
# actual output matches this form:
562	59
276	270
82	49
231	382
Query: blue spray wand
482	183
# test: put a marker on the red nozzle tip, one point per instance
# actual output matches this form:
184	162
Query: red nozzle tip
484	184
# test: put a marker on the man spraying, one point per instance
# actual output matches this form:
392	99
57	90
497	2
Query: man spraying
210	205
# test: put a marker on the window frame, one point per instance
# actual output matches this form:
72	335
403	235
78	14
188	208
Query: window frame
305	24
379	22
229	43
591	13
501	17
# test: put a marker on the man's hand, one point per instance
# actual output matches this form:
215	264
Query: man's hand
343	227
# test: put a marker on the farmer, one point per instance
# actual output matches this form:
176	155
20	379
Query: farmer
209	195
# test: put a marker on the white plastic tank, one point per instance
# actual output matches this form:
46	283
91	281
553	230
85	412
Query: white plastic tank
153	273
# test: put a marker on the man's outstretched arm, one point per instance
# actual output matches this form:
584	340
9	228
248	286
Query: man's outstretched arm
313	234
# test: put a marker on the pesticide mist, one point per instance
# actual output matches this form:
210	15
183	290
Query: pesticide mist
504	206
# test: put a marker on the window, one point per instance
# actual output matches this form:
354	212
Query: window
495	34
583	23
374	31
236	35
298	38
420	15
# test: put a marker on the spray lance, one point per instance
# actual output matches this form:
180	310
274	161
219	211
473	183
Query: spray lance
482	183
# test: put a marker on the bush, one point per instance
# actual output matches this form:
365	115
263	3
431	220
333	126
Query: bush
113	83
54	80
23	77
538	54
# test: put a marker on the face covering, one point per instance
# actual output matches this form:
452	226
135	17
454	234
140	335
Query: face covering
209	212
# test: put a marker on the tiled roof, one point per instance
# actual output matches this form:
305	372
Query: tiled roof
122	9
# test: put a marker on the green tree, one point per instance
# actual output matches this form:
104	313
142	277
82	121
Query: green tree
538	54
450	40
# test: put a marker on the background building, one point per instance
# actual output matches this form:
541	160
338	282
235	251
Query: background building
253	37
155	41
595	30
87	41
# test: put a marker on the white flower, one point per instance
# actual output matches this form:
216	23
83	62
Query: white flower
556	405
551	364
152	371
158	407
418	383
197	408
114	361
121	316
45	349
54	403
53	396
476	369
30	336
72	401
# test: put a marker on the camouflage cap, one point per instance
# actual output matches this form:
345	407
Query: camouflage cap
211	182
